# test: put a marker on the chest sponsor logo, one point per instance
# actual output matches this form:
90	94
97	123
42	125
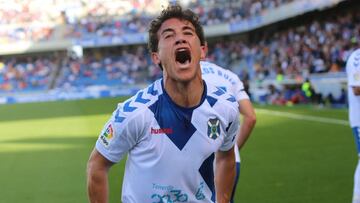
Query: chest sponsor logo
213	128
156	131
107	135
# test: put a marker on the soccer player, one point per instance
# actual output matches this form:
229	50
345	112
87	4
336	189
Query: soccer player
172	129
230	82
353	76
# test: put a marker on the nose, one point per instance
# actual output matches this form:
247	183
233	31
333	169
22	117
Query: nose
180	41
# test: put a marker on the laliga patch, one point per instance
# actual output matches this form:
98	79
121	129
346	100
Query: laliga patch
107	136
213	128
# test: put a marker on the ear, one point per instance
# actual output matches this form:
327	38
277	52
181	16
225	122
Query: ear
204	50
155	58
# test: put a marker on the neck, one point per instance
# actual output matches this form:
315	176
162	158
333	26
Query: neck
185	94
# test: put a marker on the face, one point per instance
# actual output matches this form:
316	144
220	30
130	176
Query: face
179	50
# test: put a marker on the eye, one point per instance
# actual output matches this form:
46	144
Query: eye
188	33
168	36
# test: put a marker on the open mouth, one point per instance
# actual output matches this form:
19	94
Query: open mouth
183	56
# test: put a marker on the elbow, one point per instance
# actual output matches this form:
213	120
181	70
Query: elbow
252	119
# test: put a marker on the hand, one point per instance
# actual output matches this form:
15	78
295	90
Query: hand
356	90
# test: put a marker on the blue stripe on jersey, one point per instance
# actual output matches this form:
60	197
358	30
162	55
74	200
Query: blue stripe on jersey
152	91
228	127
231	99
171	116
219	91
118	118
207	172
356	132
236	181
211	100
140	99
128	108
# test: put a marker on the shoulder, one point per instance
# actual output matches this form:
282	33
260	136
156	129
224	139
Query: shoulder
354	59
221	99
234	79
218	75
138	104
208	67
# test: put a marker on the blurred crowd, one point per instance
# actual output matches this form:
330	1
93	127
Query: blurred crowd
320	45
37	20
214	12
135	19
28	20
113	67
316	47
26	73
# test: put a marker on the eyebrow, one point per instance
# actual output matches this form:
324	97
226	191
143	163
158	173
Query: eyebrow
172	30
188	28
167	30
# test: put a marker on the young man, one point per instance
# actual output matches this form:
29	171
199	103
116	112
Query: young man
171	130
231	83
353	75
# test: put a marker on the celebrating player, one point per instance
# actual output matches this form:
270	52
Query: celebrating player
171	130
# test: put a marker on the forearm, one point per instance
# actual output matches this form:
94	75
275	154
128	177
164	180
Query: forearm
245	130
98	187
224	176
97	178
248	122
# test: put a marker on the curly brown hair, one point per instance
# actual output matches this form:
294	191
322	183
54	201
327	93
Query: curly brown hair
174	11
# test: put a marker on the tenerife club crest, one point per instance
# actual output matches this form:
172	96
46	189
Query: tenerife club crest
213	128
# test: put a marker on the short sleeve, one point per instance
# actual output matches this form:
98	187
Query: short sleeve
120	134
237	88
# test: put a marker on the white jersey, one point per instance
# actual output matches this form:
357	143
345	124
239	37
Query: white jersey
170	148
353	75
225	80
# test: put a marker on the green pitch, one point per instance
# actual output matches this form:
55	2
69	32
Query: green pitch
290	158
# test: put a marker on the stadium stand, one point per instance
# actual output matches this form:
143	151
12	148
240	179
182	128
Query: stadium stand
26	73
127	66
27	21
316	47
116	21
260	41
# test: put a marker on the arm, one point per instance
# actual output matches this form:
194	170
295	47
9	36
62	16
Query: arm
224	175
356	90
97	177
248	122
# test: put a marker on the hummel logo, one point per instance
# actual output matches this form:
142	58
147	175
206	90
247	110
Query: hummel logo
161	131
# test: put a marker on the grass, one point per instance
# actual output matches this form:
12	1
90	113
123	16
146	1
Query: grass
44	149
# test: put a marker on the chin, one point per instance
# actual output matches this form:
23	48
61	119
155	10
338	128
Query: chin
186	77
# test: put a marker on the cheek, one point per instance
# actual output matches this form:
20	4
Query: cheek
199	53
164	50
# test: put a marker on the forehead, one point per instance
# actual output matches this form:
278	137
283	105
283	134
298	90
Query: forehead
175	23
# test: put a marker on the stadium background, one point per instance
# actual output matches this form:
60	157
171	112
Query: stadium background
93	54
